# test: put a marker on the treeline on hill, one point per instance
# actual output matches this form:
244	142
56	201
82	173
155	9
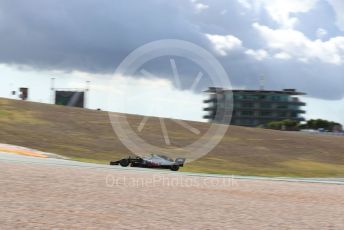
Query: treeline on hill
315	124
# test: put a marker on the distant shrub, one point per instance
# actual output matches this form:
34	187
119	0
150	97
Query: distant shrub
283	125
274	125
321	124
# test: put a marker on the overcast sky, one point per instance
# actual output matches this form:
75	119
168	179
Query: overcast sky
293	43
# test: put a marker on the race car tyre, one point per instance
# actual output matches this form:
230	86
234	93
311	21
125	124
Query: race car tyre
124	163
175	167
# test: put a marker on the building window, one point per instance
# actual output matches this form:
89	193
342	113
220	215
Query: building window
266	114
281	106
251	97
294	114
275	98
228	96
247	105
282	114
247	113
238	97
265	105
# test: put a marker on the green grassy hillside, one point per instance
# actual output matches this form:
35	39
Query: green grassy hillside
87	135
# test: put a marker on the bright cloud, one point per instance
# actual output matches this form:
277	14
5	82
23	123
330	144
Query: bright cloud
297	45
257	54
338	7
282	56
145	96
281	10
223	45
199	7
318	108
245	3
321	32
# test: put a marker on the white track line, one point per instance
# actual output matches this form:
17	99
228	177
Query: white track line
5	157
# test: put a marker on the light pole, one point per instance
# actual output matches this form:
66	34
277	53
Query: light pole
87	90
52	90
262	82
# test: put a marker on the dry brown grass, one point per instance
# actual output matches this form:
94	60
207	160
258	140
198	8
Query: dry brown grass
87	135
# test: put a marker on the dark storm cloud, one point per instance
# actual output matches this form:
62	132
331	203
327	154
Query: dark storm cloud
88	35
96	35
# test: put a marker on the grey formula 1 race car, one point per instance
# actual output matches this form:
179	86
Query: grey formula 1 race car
153	161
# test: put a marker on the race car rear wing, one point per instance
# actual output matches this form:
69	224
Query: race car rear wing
180	161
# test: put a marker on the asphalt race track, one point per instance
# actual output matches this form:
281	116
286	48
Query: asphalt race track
5	157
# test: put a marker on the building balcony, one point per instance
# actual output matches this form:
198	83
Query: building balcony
208	117
292	102
210	100
213	108
214	90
